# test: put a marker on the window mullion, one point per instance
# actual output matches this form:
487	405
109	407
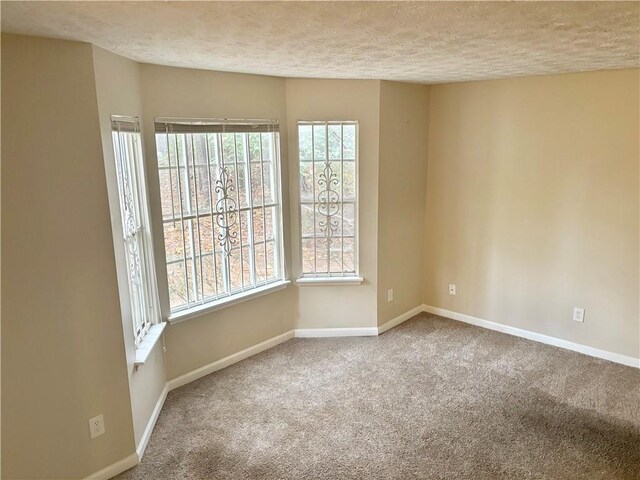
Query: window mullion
235	159
173	211
138	234
195	187
264	223
328	231
120	164
211	209
192	245
313	192
276	222
342	197
226	270
182	225
249	190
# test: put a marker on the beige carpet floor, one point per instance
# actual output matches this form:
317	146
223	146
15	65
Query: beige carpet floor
430	399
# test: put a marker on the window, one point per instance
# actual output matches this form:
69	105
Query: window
328	168
221	208
127	145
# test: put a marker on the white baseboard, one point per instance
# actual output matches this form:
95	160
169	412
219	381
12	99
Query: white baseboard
272	342
400	318
357	331
537	337
229	360
335	332
152	423
133	459
115	468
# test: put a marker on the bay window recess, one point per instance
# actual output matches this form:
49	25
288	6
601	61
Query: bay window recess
221	210
328	173
132	197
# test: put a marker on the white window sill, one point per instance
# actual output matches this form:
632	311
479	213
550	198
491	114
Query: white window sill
148	342
309	281
226	302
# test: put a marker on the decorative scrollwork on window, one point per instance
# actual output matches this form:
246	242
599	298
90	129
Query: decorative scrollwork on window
130	223
226	211
133	254
133	209
328	201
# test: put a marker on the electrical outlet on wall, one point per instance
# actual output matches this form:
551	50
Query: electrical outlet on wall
578	314
390	295
452	289
96	426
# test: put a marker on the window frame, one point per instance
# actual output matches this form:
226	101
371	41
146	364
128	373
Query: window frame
329	278
144	241
206	304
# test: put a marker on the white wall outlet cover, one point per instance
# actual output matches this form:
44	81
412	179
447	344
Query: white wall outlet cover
452	289
390	295
96	426
578	314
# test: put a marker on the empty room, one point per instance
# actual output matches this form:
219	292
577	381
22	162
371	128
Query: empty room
320	240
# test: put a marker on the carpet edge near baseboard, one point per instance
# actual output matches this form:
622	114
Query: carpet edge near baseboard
535	336
135	458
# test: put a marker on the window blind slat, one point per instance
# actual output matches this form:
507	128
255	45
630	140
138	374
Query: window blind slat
124	126
260	126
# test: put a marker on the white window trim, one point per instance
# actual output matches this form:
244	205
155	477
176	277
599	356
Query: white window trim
324	279
144	349
242	296
310	281
206	308
145	340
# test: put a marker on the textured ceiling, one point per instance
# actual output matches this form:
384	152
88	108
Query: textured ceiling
414	41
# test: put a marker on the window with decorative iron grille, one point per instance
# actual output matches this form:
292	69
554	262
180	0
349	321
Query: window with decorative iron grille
143	293
328	172
221	208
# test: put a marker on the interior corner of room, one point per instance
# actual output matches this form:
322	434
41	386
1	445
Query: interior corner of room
505	203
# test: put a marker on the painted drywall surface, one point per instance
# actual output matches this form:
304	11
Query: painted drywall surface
339	306
401	193
0	271
118	92
532	204
181	92
63	358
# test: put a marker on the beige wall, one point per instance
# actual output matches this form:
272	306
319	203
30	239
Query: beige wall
532	207
63	358
532	204
401	194
118	92
339	306
181	92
